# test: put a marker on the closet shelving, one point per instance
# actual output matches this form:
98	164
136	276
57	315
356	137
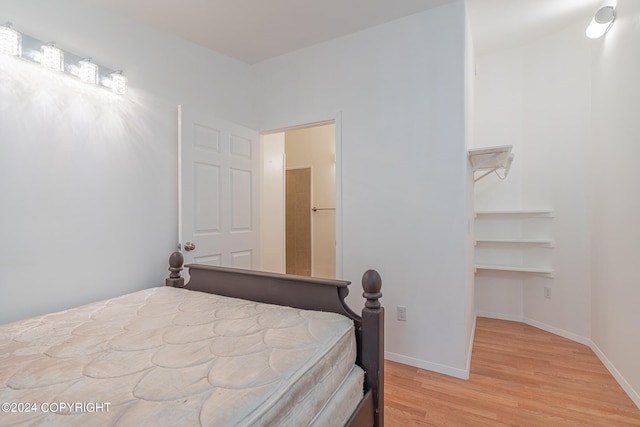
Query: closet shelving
506	238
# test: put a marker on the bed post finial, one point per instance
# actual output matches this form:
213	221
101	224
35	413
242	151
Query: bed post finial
373	342
175	267
372	283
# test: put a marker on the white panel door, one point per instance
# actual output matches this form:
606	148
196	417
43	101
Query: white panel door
219	200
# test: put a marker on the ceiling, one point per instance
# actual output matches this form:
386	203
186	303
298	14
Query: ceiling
254	30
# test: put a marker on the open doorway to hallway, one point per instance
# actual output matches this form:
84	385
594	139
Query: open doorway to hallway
310	214
299	201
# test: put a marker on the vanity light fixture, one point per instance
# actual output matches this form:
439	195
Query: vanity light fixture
10	40
601	22
118	83
88	71
49	56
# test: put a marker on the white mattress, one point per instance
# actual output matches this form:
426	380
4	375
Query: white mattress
167	356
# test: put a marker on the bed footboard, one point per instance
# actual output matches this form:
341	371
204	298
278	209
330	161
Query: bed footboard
309	294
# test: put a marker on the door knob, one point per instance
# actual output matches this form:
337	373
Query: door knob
189	246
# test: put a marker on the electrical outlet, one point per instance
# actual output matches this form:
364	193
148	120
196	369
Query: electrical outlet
547	292
402	313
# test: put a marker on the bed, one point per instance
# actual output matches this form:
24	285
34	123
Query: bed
229	347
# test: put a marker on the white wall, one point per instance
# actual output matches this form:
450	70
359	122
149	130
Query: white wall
614	202
89	179
400	90
557	134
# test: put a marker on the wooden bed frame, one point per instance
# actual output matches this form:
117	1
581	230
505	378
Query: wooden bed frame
309	294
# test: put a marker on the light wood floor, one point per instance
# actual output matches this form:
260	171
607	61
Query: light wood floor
520	376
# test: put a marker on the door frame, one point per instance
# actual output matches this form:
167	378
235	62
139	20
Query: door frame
336	119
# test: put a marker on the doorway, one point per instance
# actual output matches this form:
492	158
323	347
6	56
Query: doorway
300	229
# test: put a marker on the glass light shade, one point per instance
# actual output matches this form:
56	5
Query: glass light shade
601	22
10	41
118	83
88	72
52	58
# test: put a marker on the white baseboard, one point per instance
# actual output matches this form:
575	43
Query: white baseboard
557	331
500	316
429	366
633	394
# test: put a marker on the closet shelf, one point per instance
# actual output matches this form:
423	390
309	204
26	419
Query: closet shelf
520	213
519	269
533	242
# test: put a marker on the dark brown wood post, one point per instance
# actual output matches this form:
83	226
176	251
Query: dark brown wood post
373	342
175	267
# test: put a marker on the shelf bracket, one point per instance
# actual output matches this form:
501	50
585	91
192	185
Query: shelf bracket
493	159
484	174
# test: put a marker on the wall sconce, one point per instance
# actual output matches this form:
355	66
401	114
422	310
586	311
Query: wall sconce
601	22
10	40
49	56
118	83
88	71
